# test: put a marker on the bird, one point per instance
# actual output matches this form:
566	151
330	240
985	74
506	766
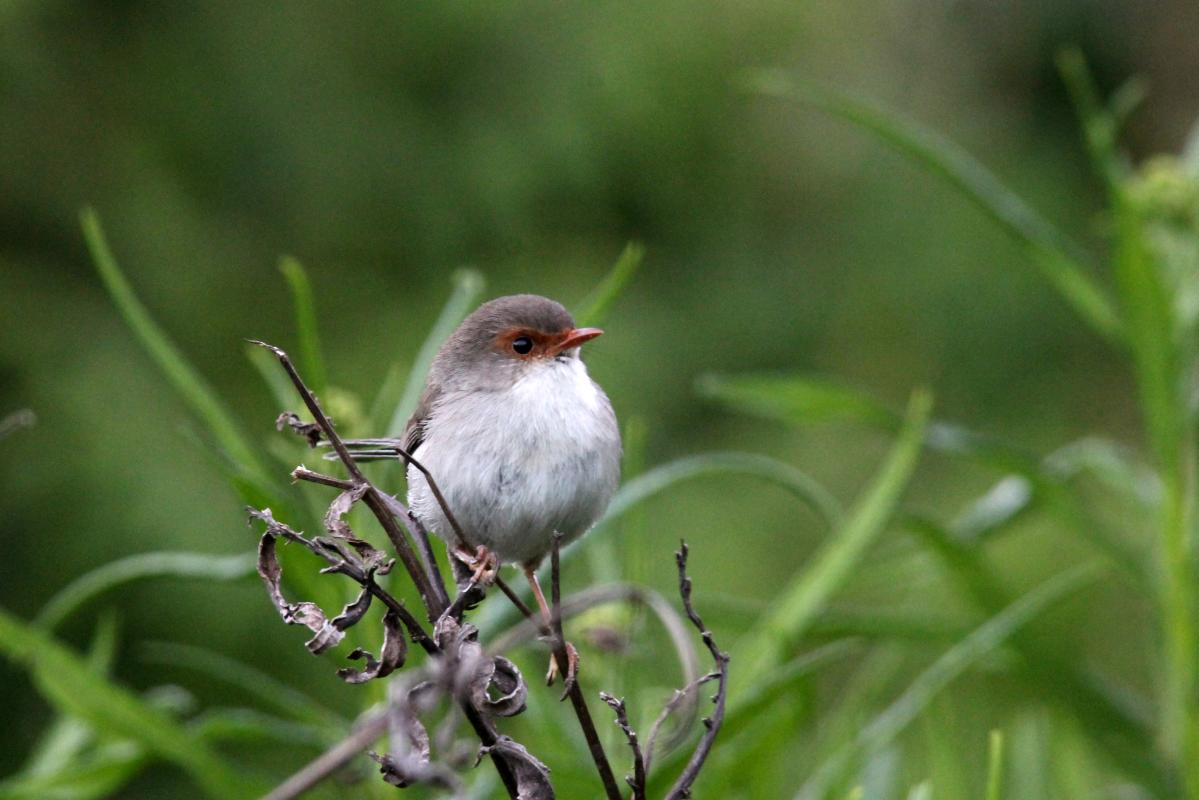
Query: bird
521	442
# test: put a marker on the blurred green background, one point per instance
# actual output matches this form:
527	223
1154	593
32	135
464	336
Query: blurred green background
388	145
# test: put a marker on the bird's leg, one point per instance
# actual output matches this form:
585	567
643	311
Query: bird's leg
572	655
483	562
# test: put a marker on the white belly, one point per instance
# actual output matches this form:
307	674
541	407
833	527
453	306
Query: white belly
518	465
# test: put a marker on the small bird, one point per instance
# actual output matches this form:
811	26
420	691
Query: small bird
520	440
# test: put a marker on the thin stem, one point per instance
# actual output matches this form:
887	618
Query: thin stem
637	779
594	745
305	474
682	787
370	728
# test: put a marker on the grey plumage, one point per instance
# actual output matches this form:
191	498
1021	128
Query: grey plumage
520	445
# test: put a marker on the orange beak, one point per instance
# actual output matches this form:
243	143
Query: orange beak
573	338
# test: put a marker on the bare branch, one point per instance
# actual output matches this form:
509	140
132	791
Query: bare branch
682	787
637	779
302	473
370	727
577	701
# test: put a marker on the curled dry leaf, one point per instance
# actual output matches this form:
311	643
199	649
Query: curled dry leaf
506	690
391	657
325	635
532	777
403	773
309	430
340	530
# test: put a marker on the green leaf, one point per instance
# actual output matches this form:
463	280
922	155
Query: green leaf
603	297
248	725
266	688
73	688
165	564
805	596
797	482
188	383
311	362
396	401
984	640
1059	259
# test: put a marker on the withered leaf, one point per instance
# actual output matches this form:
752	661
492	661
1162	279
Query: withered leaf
532	777
353	613
404	772
309	430
395	649
498	688
341	506
340	529
310	615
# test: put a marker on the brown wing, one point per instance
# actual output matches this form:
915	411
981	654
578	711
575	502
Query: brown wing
414	431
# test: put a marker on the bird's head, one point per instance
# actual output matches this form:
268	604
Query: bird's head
507	338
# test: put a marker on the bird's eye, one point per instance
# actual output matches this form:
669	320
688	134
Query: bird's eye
522	345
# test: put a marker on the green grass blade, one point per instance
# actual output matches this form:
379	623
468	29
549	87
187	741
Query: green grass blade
395	403
662	477
995	766
804	400
1059	259
884	727
73	688
98	775
1099	127
58	748
311	363
800	601
266	688
91	585
187	382
796	399
597	305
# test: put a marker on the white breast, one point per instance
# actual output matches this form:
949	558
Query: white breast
519	464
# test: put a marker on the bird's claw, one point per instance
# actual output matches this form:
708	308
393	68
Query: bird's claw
572	669
483	563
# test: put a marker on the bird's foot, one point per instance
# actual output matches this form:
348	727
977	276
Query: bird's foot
483	563
572	669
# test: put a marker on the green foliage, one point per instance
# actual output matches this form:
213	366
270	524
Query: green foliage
72	687
799	602
115	574
876	666
310	358
1059	259
595	308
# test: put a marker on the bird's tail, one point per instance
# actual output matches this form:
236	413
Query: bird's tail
369	449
